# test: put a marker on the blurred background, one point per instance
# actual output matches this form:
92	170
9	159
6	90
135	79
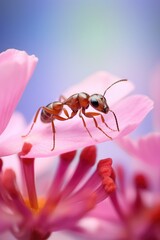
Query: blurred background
75	38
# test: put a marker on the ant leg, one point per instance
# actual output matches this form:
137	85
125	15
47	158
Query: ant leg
36	116
103	120
84	123
61	119
54	132
34	121
92	115
66	112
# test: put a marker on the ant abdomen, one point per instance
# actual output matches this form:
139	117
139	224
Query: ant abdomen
53	109
45	116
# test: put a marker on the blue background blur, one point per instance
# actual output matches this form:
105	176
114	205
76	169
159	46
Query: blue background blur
74	38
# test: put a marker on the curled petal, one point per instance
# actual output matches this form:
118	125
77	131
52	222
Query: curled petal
16	68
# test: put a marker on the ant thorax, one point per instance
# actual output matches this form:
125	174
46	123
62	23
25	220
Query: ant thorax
77	101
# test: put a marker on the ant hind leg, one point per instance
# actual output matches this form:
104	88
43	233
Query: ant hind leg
103	120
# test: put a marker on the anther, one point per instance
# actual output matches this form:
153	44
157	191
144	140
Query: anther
140	181
25	149
109	185
106	172
104	166
88	155
68	157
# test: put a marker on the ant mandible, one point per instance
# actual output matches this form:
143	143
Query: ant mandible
77	102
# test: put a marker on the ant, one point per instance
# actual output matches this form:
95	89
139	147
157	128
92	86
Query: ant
78	102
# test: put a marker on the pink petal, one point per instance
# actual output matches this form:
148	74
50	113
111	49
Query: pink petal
98	82
17	124
71	134
16	68
146	149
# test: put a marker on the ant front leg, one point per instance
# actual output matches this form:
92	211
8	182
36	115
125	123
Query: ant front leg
103	120
84	123
93	115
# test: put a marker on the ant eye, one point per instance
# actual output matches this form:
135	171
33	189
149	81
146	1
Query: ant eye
94	102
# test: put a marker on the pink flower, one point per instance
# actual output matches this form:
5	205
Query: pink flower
73	191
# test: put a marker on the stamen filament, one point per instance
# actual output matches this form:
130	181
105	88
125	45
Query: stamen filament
28	170
116	205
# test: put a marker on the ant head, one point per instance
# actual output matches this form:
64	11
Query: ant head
99	103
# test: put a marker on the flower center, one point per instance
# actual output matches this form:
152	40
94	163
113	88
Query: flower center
40	202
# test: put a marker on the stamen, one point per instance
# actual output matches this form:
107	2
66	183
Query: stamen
141	183
86	161
28	170
25	149
8	181
121	179
88	155
107	173
1	164
101	182
68	157
11	194
117	206
105	170
55	188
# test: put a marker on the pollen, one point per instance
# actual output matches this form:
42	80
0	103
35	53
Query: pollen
41	203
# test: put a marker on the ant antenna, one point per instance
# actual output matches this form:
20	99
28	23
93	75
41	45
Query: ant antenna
122	80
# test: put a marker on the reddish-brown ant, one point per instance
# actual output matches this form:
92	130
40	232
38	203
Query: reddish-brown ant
78	102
